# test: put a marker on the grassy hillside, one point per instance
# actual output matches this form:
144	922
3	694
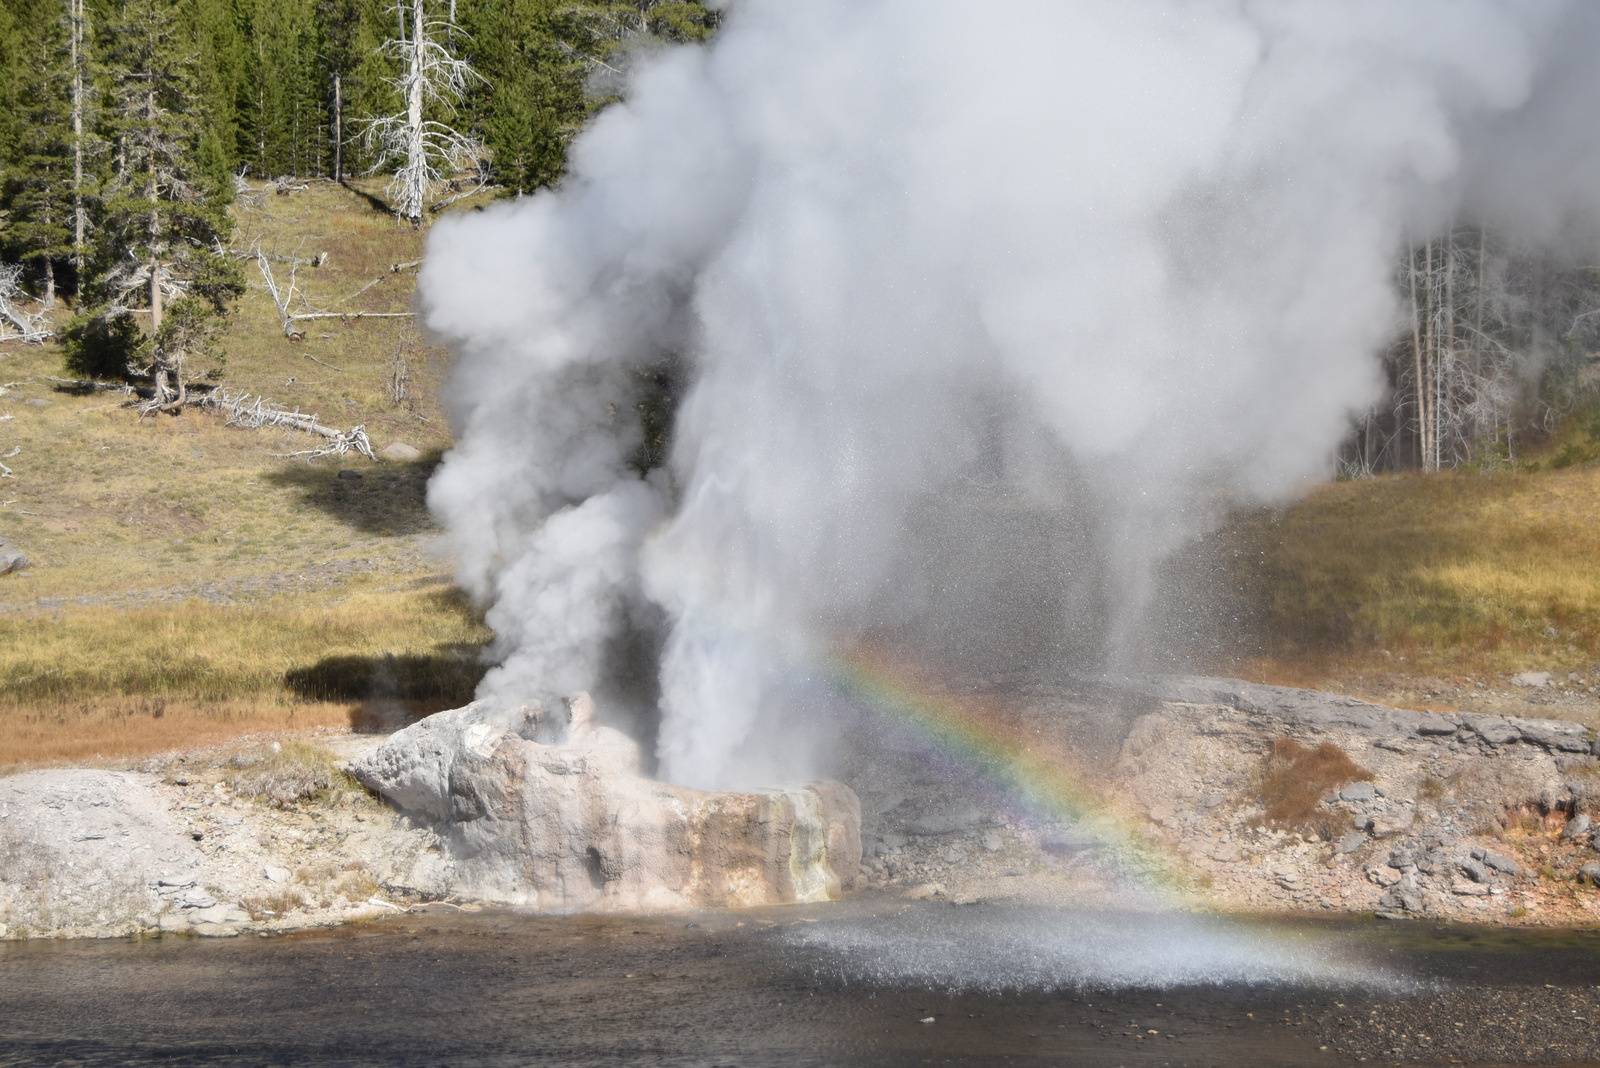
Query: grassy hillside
188	583
1458	571
191	583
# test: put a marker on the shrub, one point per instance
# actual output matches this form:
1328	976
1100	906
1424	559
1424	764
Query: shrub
103	347
1297	778
285	773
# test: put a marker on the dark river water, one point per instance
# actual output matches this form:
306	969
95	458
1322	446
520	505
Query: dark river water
864	983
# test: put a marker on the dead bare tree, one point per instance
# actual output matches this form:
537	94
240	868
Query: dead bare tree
399	380
283	296
254	413
15	323
431	80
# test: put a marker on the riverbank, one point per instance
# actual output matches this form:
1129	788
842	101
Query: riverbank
1151	792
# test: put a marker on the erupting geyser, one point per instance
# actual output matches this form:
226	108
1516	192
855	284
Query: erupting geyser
962	318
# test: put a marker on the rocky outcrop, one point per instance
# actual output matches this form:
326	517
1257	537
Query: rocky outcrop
93	852
548	809
1454	800
1315	710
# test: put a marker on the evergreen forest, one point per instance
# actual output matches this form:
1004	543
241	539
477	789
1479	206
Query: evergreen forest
129	127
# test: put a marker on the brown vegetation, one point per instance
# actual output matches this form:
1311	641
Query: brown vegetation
1295	781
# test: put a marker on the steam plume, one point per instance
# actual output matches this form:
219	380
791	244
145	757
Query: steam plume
974	312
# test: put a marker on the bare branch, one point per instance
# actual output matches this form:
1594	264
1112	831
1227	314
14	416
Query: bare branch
15	324
254	414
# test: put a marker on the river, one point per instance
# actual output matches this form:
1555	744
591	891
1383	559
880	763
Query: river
870	982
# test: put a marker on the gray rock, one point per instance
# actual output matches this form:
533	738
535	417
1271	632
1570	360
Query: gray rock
1066	843
1537	680
400	452
197	899
1589	873
275	874
1401	859
895	841
176	881
12	560
1350	842
993	842
220	921
347	473
39	402
1495	861
1493	729
961	817
1404	900
1554	734
1436	726
1357	791
1475	871
1577	826
173	921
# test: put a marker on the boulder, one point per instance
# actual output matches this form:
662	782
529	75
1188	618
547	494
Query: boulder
1495	861
1493	729
1350	842
547	808
11	559
1553	734
1537	680
400	452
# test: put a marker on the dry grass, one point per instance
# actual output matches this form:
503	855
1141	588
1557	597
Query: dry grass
105	682
1295	781
1456	573
327	880
271	905
186	585
283	774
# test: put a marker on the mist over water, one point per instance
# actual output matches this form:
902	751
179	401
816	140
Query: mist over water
967	318
997	951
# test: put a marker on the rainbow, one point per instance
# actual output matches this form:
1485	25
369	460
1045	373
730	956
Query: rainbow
1033	781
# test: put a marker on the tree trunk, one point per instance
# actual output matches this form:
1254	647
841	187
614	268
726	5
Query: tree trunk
338	127
1447	350
416	150
49	283
1416	355
152	193
78	215
1477	326
1429	333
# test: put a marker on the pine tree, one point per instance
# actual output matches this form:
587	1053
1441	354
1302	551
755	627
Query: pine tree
38	185
222	68
164	218
285	112
531	101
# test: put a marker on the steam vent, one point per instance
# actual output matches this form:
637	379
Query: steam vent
547	808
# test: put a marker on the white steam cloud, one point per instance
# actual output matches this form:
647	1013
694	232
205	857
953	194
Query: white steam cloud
1131	260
